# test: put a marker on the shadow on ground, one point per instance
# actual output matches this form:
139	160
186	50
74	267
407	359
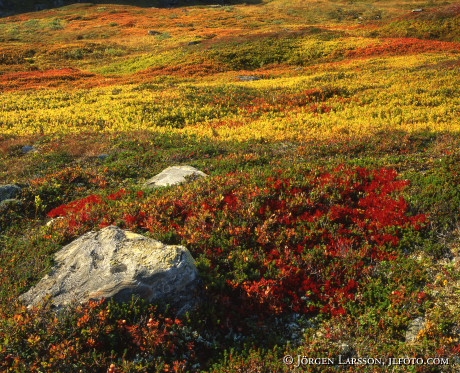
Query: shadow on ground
11	7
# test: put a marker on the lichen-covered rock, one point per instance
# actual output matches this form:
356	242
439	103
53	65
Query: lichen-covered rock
118	264
9	191
414	328
174	175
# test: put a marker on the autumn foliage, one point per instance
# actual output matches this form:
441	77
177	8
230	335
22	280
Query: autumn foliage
292	244
49	343
296	254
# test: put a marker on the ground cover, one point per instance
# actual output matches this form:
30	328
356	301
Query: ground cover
329	221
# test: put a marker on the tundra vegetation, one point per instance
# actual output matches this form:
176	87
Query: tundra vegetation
329	220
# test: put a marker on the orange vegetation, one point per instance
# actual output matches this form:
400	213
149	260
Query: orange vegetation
401	46
42	79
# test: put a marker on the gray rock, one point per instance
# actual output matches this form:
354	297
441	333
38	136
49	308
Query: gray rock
174	175
118	264
194	42
28	149
346	350
414	328
102	157
249	78
9	191
154	32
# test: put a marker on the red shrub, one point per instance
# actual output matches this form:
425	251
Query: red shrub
299	244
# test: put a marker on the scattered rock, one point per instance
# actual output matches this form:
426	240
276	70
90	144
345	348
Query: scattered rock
346	350
174	175
194	42
28	149
118	264
9	191
414	328
102	157
249	78
418	10
154	32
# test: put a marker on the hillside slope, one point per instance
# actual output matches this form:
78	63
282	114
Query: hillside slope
328	225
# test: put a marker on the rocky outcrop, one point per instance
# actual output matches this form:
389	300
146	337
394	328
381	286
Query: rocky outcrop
174	175
9	191
118	264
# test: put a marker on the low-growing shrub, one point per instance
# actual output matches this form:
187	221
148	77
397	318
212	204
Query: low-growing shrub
290	244
94	337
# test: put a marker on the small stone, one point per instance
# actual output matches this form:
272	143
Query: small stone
174	175
414	328
249	78
9	191
346	350
28	149
194	42
154	32
102	157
